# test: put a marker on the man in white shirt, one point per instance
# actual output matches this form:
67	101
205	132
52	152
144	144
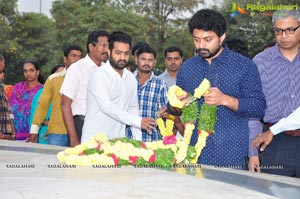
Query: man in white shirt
292	122
74	87
112	101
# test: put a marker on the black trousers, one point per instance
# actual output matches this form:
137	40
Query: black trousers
79	121
282	156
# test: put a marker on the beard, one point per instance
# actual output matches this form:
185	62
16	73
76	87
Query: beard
145	69
120	64
206	53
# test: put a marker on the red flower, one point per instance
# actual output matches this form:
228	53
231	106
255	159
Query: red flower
115	158
171	139
143	145
185	124
133	159
82	153
152	158
199	132
98	147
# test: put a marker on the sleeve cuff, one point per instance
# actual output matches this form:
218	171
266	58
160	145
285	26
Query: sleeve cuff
136	122
243	106
252	152
34	129
276	129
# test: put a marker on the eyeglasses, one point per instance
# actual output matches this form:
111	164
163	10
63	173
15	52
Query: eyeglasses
288	31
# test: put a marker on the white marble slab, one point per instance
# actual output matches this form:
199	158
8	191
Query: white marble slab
41	180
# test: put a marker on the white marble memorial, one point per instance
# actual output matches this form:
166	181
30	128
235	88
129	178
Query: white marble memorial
32	171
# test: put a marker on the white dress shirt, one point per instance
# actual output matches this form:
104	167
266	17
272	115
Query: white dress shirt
112	102
291	122
75	83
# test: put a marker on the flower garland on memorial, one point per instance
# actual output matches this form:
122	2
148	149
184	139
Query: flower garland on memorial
99	150
206	116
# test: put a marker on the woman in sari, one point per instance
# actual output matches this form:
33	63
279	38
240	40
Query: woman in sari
21	98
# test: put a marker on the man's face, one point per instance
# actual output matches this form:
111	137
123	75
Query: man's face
119	55
73	56
173	61
100	50
207	43
287	41
146	62
2	66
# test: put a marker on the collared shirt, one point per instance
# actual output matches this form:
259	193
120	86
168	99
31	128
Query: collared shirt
291	122
280	82
5	120
75	83
152	97
50	94
112	103
165	76
236	76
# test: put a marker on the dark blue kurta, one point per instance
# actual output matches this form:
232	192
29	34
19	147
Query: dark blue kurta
236	76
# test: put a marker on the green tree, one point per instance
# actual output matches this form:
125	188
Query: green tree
74	19
167	22
7	15
255	27
33	35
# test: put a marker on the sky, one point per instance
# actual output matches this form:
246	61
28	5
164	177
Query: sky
38	6
44	6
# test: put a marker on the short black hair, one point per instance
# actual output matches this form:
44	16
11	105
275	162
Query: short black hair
146	49
171	49
93	37
138	45
119	36
208	20
68	49
237	45
54	69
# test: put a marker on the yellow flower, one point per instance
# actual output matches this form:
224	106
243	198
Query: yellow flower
202	88
161	126
201	143
61	156
169	128
165	130
173	93
188	131
181	153
100	137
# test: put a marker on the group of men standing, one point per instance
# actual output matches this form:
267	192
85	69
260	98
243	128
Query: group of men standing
99	95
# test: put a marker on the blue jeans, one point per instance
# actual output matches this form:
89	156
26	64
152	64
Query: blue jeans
58	139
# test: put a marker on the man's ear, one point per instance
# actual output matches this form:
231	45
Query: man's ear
222	38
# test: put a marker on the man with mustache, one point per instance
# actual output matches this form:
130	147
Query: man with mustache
152	91
279	68
235	89
173	61
112	100
74	87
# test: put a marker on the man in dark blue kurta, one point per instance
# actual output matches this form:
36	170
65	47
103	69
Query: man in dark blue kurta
235	89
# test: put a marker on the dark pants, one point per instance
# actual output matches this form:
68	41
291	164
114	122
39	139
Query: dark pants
282	156
78	121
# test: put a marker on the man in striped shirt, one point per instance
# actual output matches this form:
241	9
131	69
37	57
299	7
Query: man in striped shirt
152	91
279	69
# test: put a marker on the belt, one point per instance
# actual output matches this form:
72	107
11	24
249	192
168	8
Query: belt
294	133
81	117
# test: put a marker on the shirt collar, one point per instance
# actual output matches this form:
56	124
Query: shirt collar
113	72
